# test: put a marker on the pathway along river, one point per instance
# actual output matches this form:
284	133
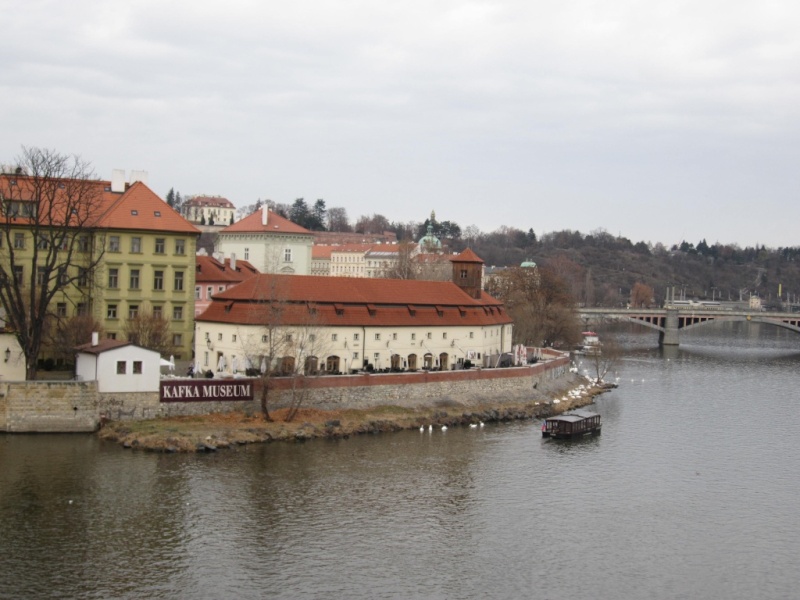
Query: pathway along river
691	492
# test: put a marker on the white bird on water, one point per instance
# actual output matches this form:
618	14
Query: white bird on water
481	423
473	425
430	427
444	427
422	427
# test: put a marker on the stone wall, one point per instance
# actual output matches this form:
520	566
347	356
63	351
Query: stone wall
48	406
73	406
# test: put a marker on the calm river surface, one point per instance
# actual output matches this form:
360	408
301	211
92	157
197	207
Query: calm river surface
692	491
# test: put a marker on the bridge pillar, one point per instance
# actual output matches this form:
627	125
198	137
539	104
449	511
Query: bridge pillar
669	337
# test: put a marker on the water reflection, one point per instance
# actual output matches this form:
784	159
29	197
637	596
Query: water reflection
688	492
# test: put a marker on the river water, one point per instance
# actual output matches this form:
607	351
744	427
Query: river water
690	492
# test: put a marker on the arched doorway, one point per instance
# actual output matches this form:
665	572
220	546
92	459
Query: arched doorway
427	361
444	363
332	364
287	365
397	363
412	362
311	365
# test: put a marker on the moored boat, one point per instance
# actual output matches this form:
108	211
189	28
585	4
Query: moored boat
572	424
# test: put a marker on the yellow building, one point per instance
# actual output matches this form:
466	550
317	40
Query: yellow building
107	249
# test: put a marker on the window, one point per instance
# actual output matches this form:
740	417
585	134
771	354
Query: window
83	243
177	313
111	335
120	367
209	292
133	311
111	311
247	253
177	339
355	337
63	278
287	255
156	213
471	334
197	292
312	337
41	275
413	336
288	338
43	243
180	246
134	213
160	245
219	337
19	274
263	339
158	280
113	278
377	337
463	273
113	243
158	312
334	337
205	359
355	355
221	288
61	309
136	245
137	367
376	357
233	337
430	335
178	281
444	335
19	241
82	310
83	277
134	285
394	337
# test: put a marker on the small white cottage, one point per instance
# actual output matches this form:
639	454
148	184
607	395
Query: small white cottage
118	366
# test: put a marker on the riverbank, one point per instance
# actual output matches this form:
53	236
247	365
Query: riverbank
209	433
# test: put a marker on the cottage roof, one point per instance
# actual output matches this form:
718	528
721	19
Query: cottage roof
102	346
210	270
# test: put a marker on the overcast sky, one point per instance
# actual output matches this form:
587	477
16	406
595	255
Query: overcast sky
659	121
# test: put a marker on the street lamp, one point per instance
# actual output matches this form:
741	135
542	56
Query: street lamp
7	354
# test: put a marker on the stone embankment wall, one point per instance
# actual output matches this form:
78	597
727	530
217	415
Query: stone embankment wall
73	406
48	406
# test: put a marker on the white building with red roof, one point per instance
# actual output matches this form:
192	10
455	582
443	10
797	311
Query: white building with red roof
337	324
269	242
209	210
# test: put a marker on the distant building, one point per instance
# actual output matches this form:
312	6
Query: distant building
118	366
269	242
209	210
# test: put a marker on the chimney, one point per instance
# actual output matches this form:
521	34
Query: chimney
118	180
95	338
139	176
264	213
233	261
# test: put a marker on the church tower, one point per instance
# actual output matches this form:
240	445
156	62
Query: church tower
468	273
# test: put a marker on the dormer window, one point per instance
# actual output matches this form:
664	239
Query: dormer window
134	213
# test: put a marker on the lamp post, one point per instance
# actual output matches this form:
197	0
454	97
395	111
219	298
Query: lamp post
7	354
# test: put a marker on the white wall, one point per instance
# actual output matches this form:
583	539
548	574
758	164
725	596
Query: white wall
103	368
266	251
14	369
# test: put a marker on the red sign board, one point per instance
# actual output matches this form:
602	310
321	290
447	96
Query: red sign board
211	390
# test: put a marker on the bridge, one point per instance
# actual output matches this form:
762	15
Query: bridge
669	322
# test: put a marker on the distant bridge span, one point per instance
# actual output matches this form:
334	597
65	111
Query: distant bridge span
669	322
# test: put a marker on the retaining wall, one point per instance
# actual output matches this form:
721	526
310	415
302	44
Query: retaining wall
73	406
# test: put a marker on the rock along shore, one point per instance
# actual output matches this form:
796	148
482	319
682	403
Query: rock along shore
230	430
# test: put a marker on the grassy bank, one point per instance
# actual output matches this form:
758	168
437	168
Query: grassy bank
212	432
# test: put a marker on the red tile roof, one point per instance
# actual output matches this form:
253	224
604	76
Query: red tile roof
347	301
140	208
467	256
212	201
102	346
210	270
275	224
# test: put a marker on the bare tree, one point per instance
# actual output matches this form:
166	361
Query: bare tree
404	267
73	332
289	343
49	205
606	359
150	331
337	219
642	295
